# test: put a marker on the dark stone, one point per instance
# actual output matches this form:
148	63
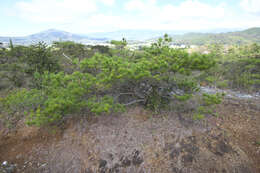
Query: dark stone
102	163
137	160
190	148
111	157
115	169
8	169
125	162
168	147
187	123
213	170
192	139
103	170
88	171
224	170
116	165
242	169
222	148
175	153
176	170
187	159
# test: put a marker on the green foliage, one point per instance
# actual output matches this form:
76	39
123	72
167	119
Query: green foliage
11	44
119	44
210	79
198	116
20	64
156	70
162	42
238	68
71	49
96	80
222	84
204	110
201	62
63	95
60	95
258	142
12	66
247	68
184	97
17	103
103	83
21	100
208	106
39	59
101	49
104	105
212	99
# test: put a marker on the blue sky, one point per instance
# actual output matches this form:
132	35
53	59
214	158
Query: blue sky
23	17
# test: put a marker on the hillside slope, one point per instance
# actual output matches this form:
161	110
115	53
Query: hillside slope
251	35
49	36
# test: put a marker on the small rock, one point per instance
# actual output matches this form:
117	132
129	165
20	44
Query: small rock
125	162
102	163
187	159
88	170
137	160
175	153
222	148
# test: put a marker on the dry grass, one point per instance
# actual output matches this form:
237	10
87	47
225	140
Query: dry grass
151	142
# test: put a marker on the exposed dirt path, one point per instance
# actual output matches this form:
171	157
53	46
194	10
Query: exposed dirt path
138	141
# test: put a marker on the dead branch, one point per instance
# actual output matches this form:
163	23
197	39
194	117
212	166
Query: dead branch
133	102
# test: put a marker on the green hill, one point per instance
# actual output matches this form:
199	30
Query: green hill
251	35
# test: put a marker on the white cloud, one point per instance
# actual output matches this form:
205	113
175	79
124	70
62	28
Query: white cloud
189	14
252	6
195	8
108	2
58	11
135	5
87	16
140	5
101	20
188	8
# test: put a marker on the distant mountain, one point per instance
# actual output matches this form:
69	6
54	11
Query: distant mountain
53	34
141	35
179	37
49	36
251	35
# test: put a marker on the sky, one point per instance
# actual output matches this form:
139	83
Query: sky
24	17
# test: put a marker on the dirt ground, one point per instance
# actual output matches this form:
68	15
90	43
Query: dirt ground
139	141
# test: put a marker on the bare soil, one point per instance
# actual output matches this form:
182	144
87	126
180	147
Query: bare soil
140	141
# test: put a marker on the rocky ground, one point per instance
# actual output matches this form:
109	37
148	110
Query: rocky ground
139	141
